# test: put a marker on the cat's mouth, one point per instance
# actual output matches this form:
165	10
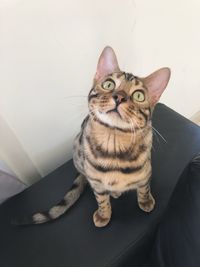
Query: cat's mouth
115	110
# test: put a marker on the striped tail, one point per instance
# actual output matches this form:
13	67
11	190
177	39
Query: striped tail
58	210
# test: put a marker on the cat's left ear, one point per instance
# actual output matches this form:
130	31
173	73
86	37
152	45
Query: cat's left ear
107	63
156	84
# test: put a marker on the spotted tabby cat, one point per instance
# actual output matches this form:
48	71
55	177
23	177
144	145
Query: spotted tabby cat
112	152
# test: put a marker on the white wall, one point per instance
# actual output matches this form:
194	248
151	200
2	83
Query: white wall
49	50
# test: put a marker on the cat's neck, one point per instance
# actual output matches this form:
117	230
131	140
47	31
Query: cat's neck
104	132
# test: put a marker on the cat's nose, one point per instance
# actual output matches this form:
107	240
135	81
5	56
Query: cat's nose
119	97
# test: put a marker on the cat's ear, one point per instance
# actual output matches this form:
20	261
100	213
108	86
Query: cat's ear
156	84
107	63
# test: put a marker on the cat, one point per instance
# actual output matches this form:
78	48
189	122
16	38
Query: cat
112	152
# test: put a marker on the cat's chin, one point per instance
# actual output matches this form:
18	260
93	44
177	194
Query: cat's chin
113	119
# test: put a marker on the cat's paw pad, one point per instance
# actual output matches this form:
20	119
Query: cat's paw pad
147	205
100	221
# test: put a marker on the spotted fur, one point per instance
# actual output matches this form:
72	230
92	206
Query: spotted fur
112	152
113	148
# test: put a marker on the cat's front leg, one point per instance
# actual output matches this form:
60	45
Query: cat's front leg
145	199
102	215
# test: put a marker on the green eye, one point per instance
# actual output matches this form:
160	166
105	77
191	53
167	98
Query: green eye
108	85
138	96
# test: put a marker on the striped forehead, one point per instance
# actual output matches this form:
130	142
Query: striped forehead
127	77
124	75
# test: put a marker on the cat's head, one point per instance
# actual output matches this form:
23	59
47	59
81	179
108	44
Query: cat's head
121	99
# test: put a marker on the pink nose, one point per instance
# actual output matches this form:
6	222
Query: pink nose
119	97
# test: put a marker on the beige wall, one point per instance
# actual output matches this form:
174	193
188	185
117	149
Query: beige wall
49	51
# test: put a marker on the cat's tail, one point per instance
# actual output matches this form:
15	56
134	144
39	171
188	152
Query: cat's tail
59	209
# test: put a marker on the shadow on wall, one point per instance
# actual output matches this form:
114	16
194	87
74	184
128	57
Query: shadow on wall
9	184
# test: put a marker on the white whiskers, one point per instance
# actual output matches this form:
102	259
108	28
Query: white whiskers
157	132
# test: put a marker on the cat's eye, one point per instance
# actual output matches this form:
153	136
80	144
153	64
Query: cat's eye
138	96
108	84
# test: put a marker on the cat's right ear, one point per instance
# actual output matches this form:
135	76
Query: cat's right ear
107	63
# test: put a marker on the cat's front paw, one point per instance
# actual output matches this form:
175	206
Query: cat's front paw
100	221
148	204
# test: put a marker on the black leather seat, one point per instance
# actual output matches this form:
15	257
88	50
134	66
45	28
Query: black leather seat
73	240
177	242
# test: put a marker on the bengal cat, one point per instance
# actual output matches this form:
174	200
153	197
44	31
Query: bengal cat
112	152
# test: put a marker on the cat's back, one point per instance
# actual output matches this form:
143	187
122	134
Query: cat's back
78	147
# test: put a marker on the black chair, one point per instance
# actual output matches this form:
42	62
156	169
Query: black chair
177	242
133	238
